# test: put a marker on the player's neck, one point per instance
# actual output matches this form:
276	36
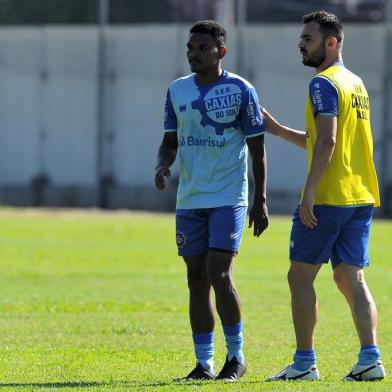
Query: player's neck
209	76
328	62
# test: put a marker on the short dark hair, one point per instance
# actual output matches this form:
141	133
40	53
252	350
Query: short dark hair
213	28
330	25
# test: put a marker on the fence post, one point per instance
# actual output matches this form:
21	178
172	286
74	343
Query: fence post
103	19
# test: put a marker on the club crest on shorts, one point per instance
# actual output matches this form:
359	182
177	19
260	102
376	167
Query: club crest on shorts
180	239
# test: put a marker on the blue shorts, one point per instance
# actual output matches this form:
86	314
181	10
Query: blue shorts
341	234
198	230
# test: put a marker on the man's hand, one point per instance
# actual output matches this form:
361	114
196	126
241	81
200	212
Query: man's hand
161	174
271	124
306	209
258	217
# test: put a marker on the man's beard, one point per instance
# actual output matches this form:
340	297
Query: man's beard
316	59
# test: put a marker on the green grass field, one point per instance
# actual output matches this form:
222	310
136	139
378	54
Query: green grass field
98	301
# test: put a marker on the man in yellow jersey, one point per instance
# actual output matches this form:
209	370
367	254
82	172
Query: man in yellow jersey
333	219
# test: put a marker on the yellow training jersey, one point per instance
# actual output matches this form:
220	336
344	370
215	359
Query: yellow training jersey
351	177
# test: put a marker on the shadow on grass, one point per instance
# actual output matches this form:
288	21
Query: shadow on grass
189	383
130	383
89	384
70	384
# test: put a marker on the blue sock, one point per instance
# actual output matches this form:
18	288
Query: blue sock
303	359
234	342
204	349
368	355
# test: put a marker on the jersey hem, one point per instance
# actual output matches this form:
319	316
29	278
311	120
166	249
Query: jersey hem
352	204
194	207
254	135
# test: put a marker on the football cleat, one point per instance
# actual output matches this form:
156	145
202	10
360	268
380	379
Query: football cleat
232	370
198	373
289	373
372	372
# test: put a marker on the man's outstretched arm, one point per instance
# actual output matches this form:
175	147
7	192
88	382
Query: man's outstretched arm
275	128
166	156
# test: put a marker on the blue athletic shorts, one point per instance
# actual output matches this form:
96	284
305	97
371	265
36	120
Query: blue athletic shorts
341	235
198	230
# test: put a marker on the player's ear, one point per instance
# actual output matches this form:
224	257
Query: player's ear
222	52
332	42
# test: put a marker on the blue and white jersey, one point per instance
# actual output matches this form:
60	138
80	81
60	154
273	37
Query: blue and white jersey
212	122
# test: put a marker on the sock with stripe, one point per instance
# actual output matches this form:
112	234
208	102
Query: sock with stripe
303	359
234	342
204	349
368	355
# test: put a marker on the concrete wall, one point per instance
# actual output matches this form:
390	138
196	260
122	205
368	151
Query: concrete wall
49	108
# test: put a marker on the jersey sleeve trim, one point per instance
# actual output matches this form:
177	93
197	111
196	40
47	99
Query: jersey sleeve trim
326	114
247	136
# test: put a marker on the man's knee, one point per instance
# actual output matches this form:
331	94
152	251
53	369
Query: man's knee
220	279
220	276
295	277
219	266
197	274
349	278
299	277
340	280
198	281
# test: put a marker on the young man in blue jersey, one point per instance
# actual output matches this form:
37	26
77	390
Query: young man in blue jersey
334	217
212	119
